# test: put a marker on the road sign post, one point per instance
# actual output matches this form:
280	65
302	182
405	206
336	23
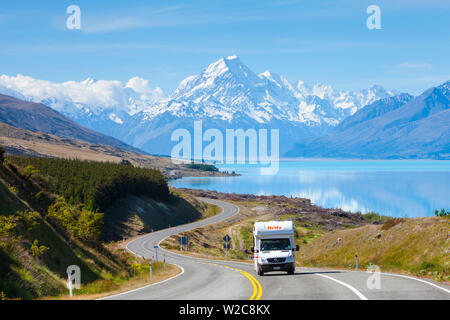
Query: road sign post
183	240
156	250
227	240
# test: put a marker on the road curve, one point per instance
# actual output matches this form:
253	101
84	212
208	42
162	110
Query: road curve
204	279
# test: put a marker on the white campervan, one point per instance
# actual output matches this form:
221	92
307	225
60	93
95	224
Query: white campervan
273	246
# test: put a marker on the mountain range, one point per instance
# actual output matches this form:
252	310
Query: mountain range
401	126
228	95
38	117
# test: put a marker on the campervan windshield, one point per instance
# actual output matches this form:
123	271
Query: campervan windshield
275	244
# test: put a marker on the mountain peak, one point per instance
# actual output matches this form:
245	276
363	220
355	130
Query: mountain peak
445	85
232	57
229	67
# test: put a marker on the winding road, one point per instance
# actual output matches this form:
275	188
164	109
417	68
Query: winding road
203	279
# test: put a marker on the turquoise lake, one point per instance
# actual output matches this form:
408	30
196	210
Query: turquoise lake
399	188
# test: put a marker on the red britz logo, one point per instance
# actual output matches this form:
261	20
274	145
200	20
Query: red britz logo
273	228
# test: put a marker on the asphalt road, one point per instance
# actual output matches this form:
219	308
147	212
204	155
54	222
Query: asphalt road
203	279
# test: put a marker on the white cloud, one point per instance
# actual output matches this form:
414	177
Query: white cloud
97	95
139	85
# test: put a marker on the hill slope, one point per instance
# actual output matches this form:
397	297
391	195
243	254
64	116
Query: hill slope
34	254
396	127
38	144
419	246
50	219
38	117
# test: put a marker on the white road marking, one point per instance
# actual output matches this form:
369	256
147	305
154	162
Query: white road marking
150	285
355	291
417	279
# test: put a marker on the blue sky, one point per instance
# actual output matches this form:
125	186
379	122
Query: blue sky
165	41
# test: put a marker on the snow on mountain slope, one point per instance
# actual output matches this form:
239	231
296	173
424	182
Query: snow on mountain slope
226	92
228	86
396	127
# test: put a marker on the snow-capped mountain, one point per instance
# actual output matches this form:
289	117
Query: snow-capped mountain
401	126
226	94
97	104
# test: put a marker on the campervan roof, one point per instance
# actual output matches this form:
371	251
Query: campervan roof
273	228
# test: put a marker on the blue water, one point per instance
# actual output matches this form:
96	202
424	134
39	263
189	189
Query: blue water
399	188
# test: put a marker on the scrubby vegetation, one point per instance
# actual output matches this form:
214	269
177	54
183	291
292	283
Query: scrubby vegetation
202	167
375	217
442	213
94	184
80	222
51	217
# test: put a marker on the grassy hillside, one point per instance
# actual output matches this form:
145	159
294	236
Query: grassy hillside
420	246
42	232
35	252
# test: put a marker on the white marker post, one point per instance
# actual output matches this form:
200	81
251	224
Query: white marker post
151	261
69	284
356	258
164	262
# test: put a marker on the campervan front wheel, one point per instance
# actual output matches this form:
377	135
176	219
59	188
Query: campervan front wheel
260	272
291	269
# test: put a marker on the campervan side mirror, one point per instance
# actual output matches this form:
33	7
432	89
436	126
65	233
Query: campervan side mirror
253	250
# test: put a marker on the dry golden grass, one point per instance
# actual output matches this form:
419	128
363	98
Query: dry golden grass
419	246
134	283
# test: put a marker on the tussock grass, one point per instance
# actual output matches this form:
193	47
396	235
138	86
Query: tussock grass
419	246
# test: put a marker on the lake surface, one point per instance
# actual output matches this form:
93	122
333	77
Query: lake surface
399	188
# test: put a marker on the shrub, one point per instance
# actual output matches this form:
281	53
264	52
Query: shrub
12	189
80	222
442	213
30	171
374	216
27	220
37	250
7	225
